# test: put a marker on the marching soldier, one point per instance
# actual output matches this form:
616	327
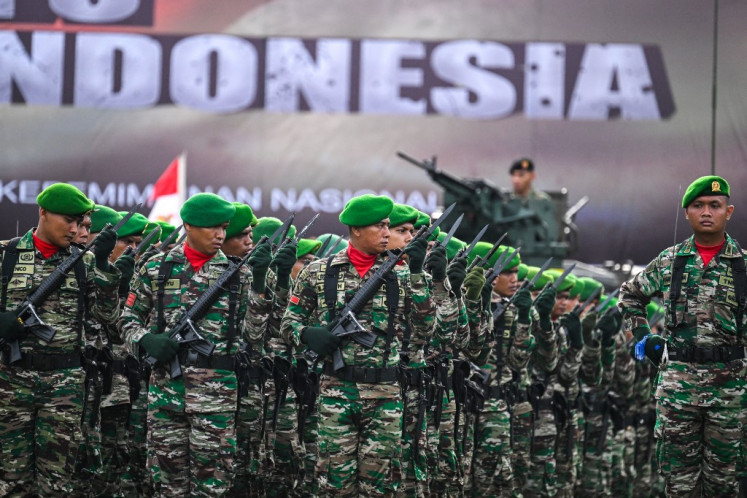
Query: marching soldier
191	418
41	395
360	407
702	389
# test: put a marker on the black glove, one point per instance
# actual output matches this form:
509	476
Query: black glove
126	265
588	324
160	346
416	251
103	247
640	332
486	294
320	340
572	324
655	348
523	303
436	263
544	304
10	328
474	283
609	325
283	261
260	262
457	272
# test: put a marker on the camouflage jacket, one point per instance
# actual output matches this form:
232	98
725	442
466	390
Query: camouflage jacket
705	314
60	310
199	389
307	307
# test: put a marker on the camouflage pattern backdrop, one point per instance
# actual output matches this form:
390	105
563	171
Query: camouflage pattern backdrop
298	105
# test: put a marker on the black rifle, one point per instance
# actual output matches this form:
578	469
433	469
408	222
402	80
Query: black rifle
500	264
480	260
26	311
347	324
171	238
185	332
299	235
580	307
143	243
502	307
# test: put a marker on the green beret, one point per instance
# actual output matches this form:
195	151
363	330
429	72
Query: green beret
206	210
423	220
543	279
340	247
267	226
101	215
63	198
483	248
522	273
243	218
401	214
590	285
453	247
705	185
166	230
567	284
366	210
515	259
611	304
577	289
305	246
152	225
134	226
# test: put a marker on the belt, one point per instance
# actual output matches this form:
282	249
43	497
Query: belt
45	362
693	354
365	375
214	362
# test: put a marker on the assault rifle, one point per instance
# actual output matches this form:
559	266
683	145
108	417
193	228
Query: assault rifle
144	243
26	311
479	260
347	324
502	307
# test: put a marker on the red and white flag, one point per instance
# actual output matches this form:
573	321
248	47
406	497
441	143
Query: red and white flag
169	192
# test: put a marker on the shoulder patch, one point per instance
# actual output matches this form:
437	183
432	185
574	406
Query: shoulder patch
294	299
131	299
26	256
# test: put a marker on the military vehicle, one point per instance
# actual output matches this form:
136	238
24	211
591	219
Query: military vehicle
543	228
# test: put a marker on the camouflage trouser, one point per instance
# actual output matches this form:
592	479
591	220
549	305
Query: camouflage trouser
136	481
191	454
250	447
593	480
311	449
521	442
89	466
492	473
644	442
445	472
698	448
285	473
359	446
414	465
40	417
542	479
114	449
567	456
623	473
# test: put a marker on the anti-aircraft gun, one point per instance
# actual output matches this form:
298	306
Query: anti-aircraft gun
543	228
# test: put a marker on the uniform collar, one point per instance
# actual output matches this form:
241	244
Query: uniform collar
730	249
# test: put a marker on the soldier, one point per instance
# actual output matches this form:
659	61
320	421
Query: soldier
701	396
41	396
305	254
360	407
191	418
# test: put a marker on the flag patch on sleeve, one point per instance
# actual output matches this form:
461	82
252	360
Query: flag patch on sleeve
294	299
130	299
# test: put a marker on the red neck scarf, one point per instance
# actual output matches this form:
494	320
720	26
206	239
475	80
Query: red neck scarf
47	250
362	262
196	258
708	252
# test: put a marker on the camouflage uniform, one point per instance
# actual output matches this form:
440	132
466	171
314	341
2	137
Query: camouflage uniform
492	470
701	396
360	422
191	420
41	398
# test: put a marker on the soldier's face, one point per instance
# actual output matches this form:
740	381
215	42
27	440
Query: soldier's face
561	304
505	284
400	236
708	214
84	231
207	240
57	229
122	244
238	245
300	263
371	239
522	181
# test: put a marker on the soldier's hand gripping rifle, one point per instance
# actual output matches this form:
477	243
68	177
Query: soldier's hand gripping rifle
26	311
502	307
347	324
184	331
